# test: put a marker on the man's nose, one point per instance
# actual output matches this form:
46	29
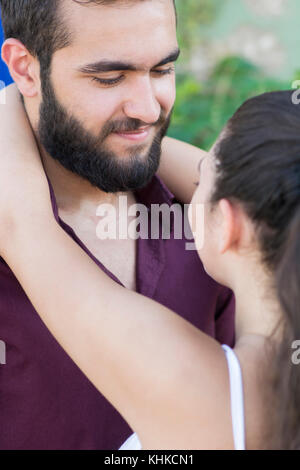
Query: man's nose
143	104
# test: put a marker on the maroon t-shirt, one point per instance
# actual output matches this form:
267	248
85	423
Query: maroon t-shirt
45	400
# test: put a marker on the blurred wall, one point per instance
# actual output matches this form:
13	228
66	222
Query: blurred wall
265	32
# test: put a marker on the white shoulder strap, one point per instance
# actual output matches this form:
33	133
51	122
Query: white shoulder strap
237	405
237	398
132	443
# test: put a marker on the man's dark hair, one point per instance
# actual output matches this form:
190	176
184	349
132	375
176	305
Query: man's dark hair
39	26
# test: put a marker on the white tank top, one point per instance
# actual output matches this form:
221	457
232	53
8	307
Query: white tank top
237	405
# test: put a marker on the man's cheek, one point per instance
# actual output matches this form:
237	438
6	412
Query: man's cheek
167	94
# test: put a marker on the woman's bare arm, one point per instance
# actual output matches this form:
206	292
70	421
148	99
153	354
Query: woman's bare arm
179	168
161	373
19	155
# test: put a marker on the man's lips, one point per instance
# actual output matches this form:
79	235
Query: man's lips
137	136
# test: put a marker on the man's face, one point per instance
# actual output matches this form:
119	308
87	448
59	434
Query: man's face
108	101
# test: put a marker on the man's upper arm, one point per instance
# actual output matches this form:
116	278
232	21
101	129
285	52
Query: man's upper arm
179	167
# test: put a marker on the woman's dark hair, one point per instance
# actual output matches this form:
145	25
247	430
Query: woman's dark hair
288	287
38	24
258	166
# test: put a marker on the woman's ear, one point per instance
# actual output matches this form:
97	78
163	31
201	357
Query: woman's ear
22	67
229	227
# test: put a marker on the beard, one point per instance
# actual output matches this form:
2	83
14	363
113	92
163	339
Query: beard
76	149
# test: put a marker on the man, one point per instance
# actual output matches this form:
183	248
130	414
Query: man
98	84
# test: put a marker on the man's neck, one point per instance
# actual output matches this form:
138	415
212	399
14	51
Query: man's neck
73	193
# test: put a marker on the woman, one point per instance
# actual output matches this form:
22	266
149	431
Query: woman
175	386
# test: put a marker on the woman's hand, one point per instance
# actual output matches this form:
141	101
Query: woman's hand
24	189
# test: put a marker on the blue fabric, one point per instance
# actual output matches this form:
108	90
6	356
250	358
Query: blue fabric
5	77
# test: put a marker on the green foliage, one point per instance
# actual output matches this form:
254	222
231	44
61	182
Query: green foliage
194	16
202	109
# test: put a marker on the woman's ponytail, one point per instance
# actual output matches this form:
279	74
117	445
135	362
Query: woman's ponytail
288	288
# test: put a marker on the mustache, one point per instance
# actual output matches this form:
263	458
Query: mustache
130	124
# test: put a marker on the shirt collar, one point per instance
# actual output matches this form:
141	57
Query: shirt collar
156	192
53	200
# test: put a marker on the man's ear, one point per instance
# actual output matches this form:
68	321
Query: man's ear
23	67
230	226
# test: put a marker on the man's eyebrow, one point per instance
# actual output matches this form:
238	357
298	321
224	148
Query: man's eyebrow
110	66
171	58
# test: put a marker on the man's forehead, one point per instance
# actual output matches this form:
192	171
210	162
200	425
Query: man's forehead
118	17
140	38
141	35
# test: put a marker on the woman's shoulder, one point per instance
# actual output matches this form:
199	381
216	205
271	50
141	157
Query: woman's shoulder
197	414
